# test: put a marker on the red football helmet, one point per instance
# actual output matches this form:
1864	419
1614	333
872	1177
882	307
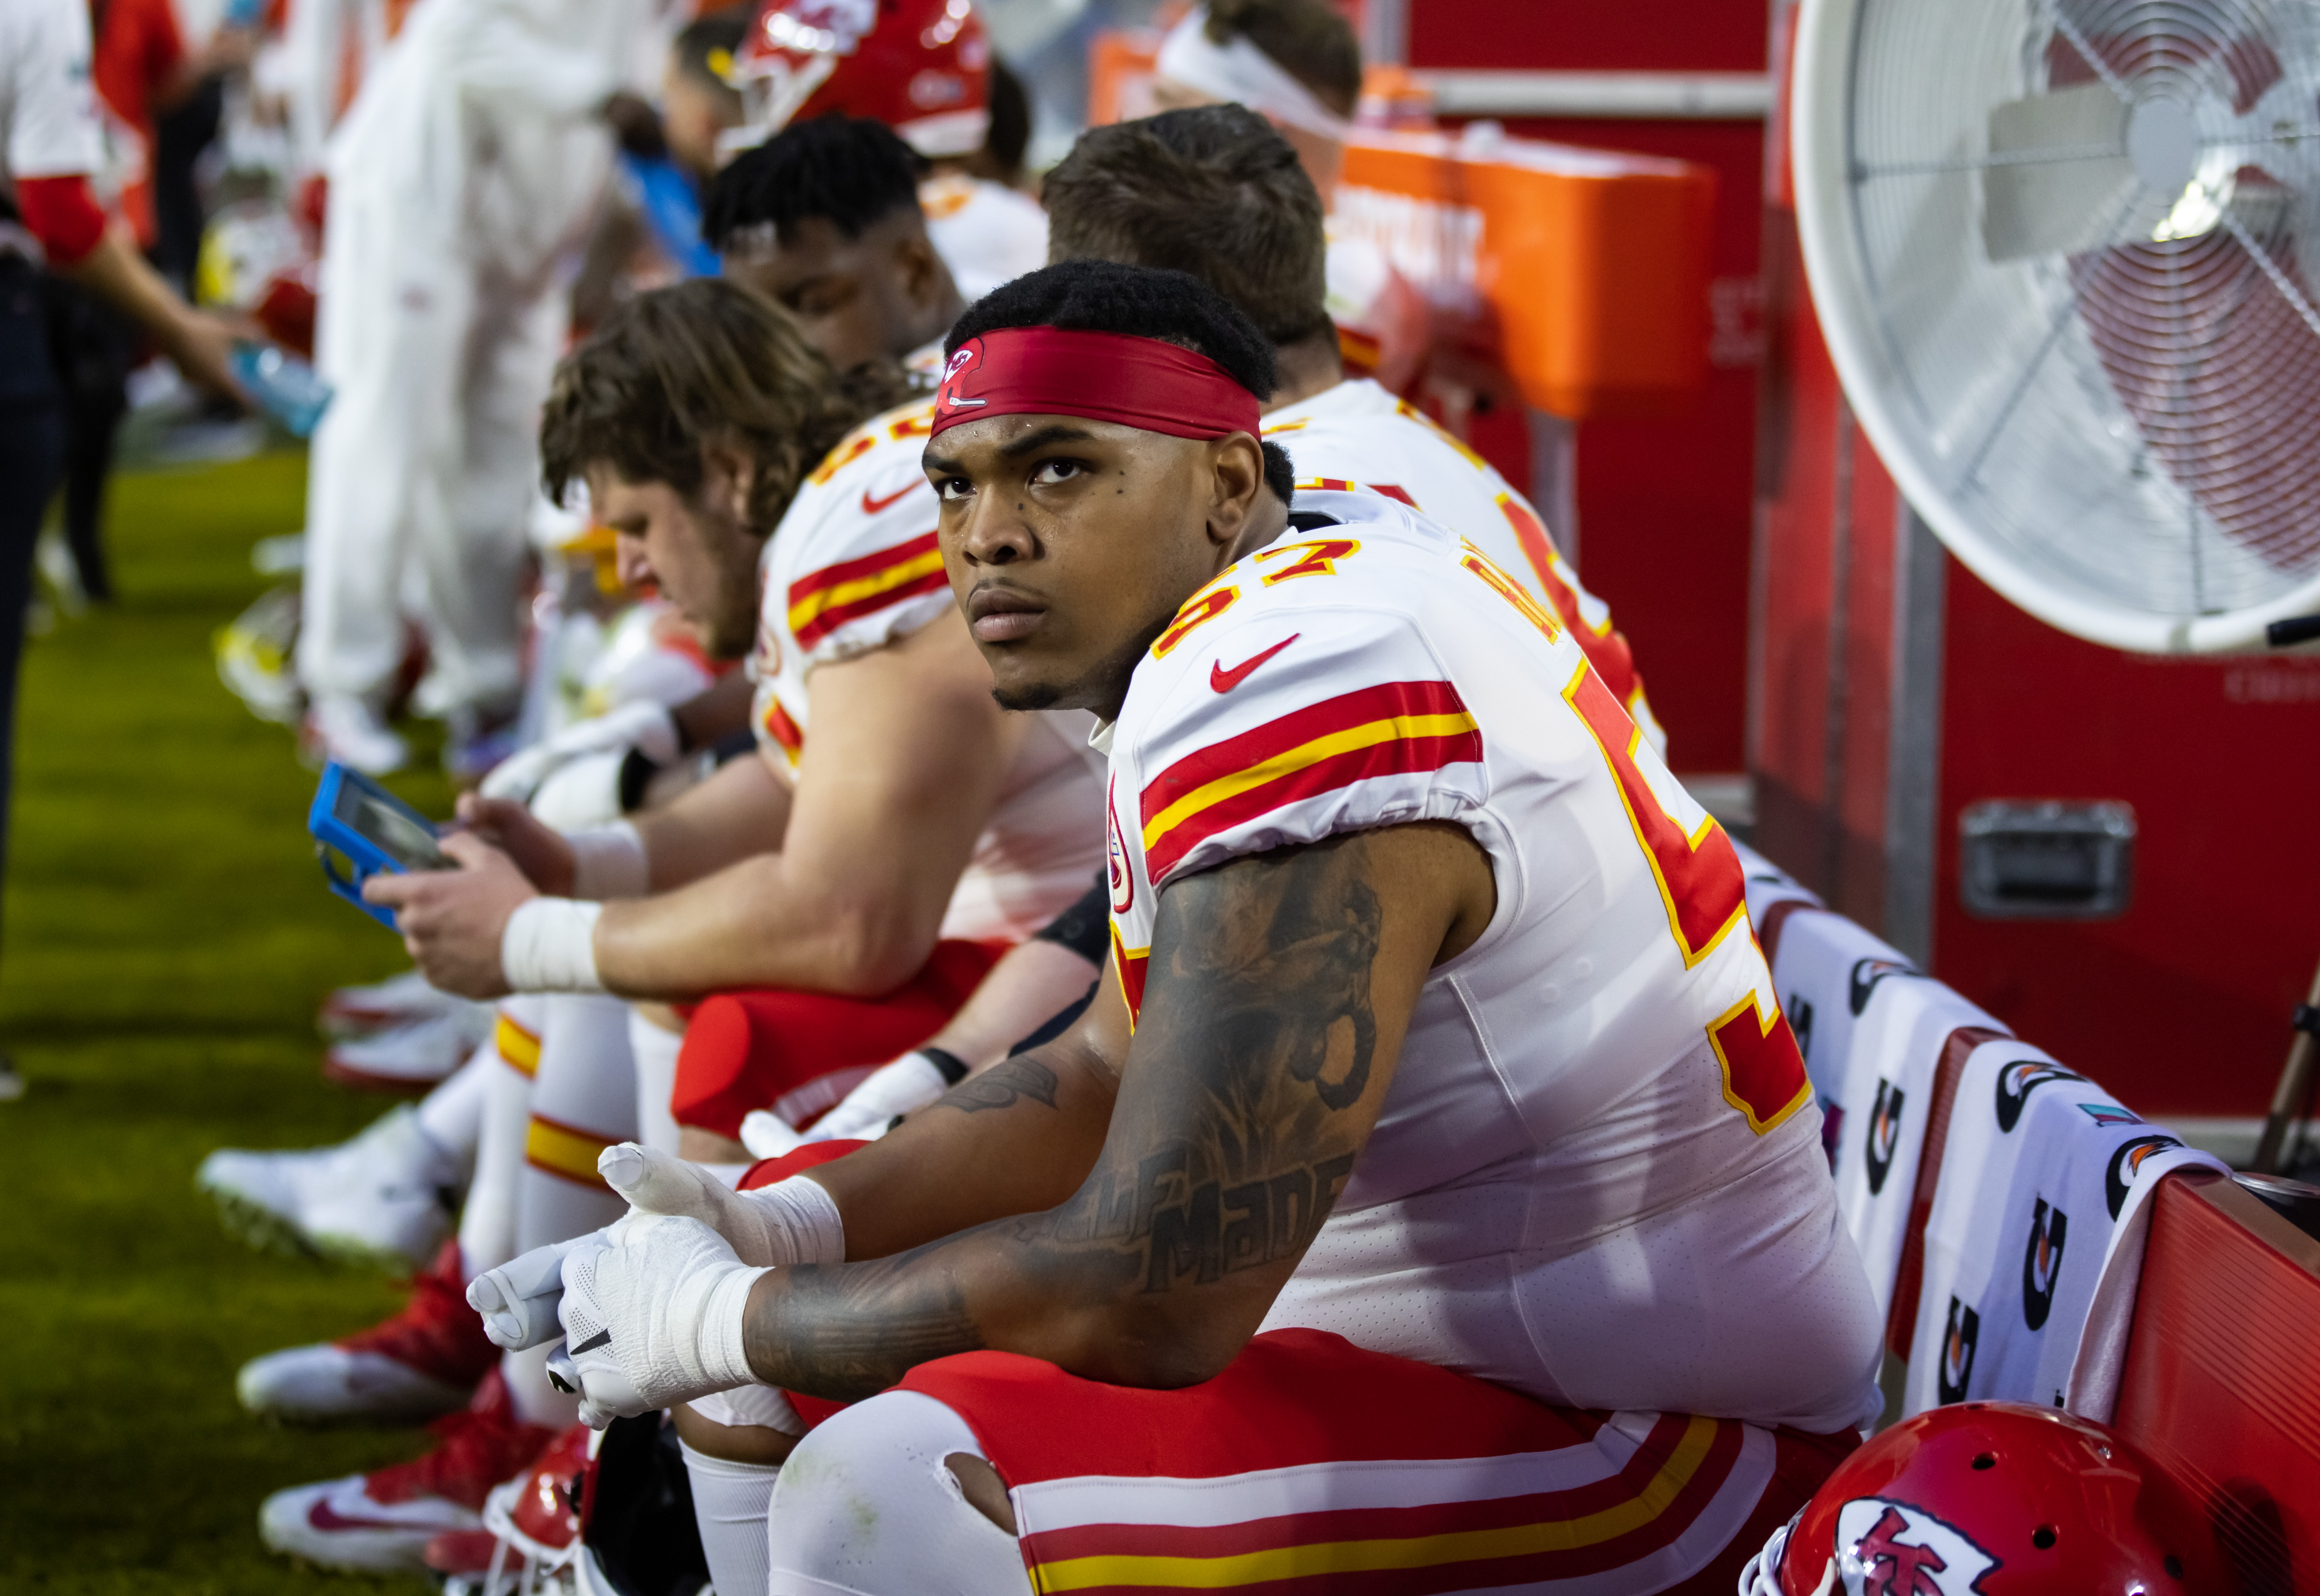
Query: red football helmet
921	67
1993	1499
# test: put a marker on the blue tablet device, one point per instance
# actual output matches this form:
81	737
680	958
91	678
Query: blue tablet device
372	830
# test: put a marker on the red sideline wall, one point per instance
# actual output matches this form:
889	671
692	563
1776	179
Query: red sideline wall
1663	505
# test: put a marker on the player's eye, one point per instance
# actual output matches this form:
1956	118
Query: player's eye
1047	473
953	490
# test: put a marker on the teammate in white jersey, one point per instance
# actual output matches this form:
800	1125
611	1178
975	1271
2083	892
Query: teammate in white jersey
1441	1047
833	864
1218	192
824	219
922	68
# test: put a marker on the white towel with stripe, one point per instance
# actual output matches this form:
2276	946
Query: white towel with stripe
2039	1209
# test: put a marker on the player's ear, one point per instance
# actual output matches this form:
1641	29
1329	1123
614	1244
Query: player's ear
1236	468
727	477
914	253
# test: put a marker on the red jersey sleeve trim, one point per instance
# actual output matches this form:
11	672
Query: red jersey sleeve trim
63	214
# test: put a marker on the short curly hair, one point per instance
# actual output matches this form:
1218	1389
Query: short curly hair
702	362
1213	190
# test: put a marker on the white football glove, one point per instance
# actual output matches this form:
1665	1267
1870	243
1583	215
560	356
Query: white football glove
647	727
518	1300
794	1221
653	1314
911	1081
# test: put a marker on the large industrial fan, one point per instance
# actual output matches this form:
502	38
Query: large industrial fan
2066	254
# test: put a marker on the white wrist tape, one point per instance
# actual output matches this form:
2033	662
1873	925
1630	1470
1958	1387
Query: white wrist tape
550	946
610	862
722	1343
806	1217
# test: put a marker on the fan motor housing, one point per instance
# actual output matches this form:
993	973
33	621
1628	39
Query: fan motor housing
2045	860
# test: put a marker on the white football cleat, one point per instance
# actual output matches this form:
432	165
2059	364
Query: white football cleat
383	1199
327	1383
352	733
422	1360
413	1057
381	1522
358	1011
337	1524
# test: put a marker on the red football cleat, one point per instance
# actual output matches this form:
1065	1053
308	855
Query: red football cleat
424	1361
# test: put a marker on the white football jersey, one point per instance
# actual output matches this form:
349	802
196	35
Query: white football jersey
852	568
1358	435
1598	1176
986	232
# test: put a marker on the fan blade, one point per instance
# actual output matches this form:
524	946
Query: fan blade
2056	164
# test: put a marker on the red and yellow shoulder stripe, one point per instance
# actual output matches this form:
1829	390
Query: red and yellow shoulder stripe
827	600
895	426
1393	728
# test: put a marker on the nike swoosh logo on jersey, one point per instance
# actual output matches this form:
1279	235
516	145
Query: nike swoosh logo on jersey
870	506
1225	681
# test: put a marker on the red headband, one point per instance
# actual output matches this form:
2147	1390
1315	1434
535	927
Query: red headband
1105	376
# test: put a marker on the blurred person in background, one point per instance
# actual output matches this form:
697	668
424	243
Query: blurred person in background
50	143
925	69
459	182
823	218
161	92
1298	63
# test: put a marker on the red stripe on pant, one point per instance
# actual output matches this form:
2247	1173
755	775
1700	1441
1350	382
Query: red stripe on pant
745	1049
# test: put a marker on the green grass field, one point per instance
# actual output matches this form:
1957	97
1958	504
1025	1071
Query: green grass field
168	939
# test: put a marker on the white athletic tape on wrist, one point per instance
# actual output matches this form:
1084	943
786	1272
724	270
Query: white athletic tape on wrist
777	1225
550	946
1238	70
609	862
806	1214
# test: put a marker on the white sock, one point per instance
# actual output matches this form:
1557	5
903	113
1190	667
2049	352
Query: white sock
584	1100
867	1504
656	1051
487	1222
452	1115
729	1503
535	1399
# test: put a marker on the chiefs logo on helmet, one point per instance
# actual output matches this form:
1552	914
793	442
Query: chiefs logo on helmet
1889	1548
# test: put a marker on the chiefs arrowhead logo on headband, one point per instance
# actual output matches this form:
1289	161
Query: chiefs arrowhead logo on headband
1104	377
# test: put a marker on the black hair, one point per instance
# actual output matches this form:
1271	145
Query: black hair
1010	134
848	170
1143	302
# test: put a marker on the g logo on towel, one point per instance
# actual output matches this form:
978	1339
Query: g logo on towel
1884	1134
1866	973
2042	1263
2017	1080
2126	1163
1957	1352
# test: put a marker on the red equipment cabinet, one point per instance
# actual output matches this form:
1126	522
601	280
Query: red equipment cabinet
1890	691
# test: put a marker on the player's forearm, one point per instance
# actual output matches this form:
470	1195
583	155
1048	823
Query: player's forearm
1033	984
770	921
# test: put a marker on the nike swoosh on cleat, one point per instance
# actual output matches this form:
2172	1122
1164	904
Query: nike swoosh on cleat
593	1342
870	506
1225	681
323	1516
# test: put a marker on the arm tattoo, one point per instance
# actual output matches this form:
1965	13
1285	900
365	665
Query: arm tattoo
1003	1086
1231	1141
